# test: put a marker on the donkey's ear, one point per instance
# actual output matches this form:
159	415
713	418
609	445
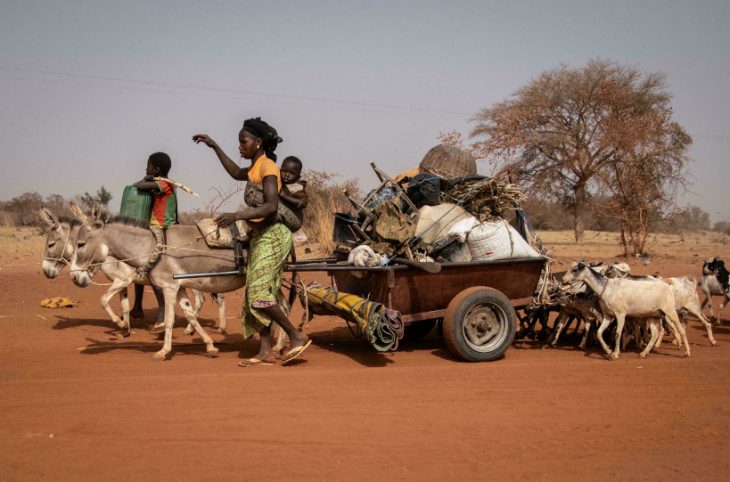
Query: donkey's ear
48	217
98	213
77	212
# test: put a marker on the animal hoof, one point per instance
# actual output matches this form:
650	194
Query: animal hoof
159	356
213	352
221	331
189	332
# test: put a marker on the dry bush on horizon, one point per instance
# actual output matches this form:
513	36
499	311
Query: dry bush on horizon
326	197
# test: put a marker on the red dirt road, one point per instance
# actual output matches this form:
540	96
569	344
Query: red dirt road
344	412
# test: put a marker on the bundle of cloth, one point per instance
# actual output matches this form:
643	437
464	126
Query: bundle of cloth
382	326
253	195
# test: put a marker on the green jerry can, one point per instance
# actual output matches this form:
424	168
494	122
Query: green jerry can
136	204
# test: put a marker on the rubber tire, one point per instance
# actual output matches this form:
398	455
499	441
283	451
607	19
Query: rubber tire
418	330
458	309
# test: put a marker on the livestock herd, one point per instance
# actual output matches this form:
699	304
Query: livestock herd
596	295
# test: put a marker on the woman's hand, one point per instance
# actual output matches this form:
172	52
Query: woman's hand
198	138
226	219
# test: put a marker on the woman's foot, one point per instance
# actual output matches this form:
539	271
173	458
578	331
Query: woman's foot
295	351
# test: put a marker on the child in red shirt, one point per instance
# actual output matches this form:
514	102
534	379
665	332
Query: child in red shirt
164	204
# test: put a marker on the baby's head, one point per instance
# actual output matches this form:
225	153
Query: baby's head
291	170
159	164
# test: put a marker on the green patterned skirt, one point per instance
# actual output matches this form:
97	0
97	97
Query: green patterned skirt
268	250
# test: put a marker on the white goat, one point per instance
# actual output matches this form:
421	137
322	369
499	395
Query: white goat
684	289
583	304
619	298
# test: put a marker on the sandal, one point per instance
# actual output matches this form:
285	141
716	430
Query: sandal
254	362
295	352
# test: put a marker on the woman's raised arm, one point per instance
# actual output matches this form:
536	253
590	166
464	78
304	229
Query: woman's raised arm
236	172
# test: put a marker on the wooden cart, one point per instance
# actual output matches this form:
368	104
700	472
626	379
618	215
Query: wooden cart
476	300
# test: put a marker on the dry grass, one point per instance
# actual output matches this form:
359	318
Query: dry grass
20	244
6	219
325	198
606	245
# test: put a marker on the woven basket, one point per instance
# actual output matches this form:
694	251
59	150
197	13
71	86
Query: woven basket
449	162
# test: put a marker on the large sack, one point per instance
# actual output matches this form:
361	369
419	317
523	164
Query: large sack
462	229
498	240
222	238
434	222
391	225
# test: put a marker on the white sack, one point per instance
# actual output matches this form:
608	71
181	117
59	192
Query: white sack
461	229
434	221
498	240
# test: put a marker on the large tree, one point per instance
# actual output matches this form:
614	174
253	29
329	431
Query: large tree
565	128
644	177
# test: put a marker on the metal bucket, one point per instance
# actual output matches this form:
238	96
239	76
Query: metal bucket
344	233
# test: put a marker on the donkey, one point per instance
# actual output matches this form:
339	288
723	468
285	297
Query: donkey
132	241
59	249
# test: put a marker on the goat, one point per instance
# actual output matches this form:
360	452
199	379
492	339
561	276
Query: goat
619	298
583	304
684	289
714	283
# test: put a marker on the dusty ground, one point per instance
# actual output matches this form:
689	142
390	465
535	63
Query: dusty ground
345	412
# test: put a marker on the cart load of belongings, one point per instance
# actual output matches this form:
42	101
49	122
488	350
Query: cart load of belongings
440	210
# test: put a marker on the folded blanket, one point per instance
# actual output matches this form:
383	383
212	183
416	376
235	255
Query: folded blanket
253	195
382	326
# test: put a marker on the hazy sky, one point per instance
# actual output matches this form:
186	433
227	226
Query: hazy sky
90	88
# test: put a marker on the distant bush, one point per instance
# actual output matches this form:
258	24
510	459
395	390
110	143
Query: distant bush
325	198
722	227
23	210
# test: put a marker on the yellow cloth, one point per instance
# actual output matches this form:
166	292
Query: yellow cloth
409	173
262	168
382	327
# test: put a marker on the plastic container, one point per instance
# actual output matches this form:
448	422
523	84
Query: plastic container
136	204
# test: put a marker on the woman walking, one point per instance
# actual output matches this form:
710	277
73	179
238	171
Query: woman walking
271	240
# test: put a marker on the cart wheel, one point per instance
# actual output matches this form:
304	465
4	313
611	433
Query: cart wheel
479	324
418	330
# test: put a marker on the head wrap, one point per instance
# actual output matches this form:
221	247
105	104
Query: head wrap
268	135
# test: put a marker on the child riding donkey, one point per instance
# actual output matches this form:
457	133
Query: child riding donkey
164	204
